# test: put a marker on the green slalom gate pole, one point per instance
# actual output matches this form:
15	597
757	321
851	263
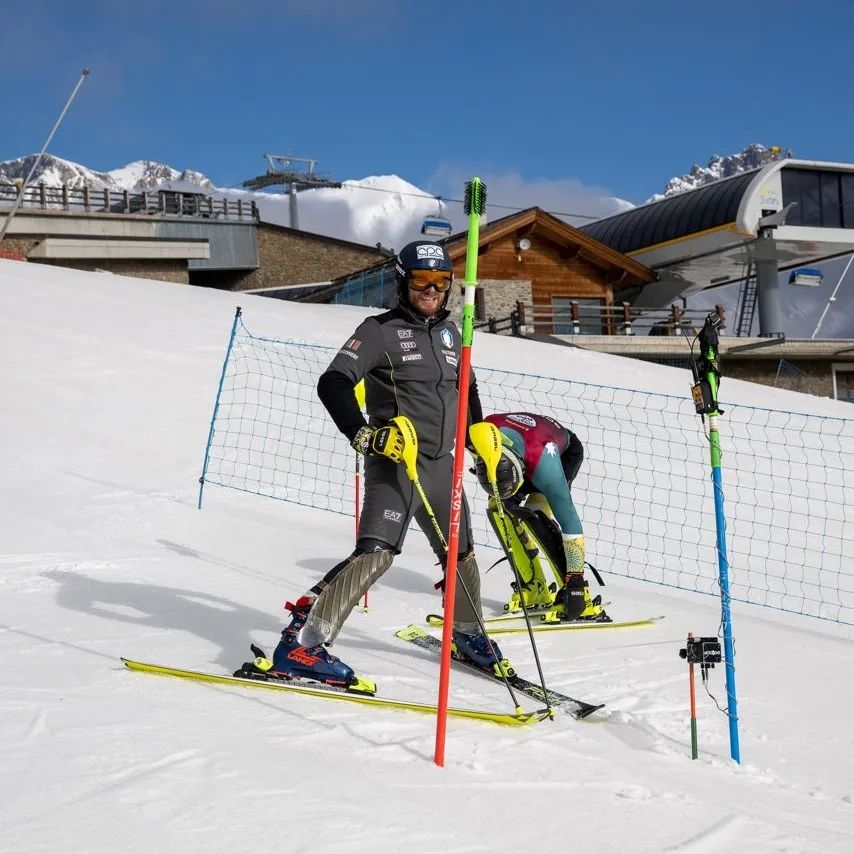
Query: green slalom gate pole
705	392
475	204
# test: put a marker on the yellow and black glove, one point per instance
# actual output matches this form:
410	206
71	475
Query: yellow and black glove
383	441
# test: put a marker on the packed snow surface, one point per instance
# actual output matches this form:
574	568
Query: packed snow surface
108	387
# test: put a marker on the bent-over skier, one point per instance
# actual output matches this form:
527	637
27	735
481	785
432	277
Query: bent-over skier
540	458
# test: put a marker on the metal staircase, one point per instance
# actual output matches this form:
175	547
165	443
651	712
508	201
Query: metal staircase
746	307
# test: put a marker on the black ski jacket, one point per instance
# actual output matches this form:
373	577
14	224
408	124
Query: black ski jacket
410	368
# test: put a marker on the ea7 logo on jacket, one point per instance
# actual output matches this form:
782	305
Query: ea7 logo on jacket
430	252
447	337
392	515
404	333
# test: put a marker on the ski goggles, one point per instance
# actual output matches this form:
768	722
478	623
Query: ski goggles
420	280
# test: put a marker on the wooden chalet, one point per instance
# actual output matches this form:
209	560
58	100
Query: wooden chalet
529	259
542	262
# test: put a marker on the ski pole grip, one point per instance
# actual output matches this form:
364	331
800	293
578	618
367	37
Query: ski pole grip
486	439
409	455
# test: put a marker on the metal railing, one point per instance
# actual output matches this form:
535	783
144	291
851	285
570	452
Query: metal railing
153	202
578	319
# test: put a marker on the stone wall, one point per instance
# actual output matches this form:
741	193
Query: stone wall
816	377
500	296
170	270
287	257
13	245
159	270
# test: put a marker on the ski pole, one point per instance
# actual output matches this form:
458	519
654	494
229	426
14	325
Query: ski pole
359	392
486	439
409	457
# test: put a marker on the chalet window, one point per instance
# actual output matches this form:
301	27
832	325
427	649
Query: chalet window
843	382
589	311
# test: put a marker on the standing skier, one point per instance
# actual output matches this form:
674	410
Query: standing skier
539	461
408	358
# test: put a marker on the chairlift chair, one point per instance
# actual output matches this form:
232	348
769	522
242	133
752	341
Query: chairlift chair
806	276
436	226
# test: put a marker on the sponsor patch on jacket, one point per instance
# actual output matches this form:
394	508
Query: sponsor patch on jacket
404	333
353	344
522	419
412	357
447	337
348	353
408	345
392	515
451	360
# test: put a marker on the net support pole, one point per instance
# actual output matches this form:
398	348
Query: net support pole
474	202
237	315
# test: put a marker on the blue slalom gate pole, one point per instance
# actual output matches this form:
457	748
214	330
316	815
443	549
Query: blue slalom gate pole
705	392
237	315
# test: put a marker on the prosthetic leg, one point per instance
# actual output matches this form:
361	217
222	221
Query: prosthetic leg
572	601
520	548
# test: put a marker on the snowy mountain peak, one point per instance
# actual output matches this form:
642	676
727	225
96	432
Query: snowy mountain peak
136	176
148	174
750	157
54	171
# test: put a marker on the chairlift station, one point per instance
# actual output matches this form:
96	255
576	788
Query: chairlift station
785	215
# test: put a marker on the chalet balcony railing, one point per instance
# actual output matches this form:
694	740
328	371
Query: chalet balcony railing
578	319
153	203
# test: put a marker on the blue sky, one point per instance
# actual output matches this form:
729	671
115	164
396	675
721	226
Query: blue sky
552	102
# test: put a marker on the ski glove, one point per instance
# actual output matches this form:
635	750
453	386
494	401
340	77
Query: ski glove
384	441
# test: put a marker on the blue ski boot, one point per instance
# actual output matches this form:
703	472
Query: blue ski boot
295	661
483	653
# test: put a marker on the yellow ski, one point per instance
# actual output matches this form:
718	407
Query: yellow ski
539	626
328	692
544	628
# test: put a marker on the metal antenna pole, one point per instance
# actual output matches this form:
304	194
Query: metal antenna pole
832	298
20	197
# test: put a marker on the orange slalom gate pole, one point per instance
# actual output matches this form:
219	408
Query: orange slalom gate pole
694	751
475	200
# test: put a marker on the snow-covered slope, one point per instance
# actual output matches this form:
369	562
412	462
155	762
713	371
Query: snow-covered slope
108	385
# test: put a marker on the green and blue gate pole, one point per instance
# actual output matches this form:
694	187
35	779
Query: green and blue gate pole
705	392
